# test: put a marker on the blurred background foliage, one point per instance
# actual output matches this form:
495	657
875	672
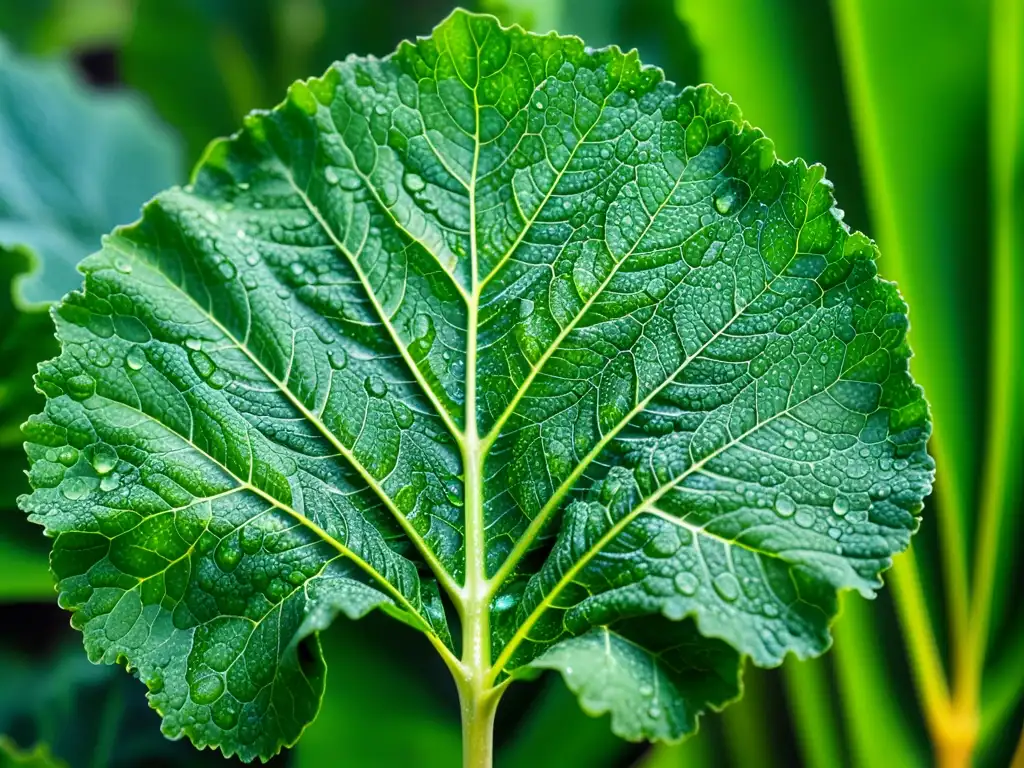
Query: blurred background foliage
917	109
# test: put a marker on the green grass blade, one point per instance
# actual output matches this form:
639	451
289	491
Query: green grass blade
878	729
926	194
807	689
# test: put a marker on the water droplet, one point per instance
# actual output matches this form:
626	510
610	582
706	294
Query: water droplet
804	518
525	308
453	491
330	176
76	488
414	183
840	506
823	358
857	469
211	217
135	358
104	459
784	506
207	690
646	690
227	270
727	587
380	109
771	610
686	583
403	416
724	203
68	456
880	491
81	387
654	711
375	386
194	344
900	464
350	182
121	264
250	282
835	533
110	483
810	436
665	544
243	185
338	358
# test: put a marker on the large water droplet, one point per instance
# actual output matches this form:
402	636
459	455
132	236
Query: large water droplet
375	386
403	416
840	506
207	690
330	176
104	459
338	358
76	488
784	506
135	358
194	344
804	518
727	587
81	387
686	583
654	712
665	544
453	490
724	203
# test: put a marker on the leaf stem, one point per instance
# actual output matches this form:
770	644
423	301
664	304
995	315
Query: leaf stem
479	705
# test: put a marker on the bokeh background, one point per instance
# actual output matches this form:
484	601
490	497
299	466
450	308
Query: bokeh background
916	107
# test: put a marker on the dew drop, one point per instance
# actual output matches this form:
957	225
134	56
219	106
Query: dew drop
68	455
525	308
724	203
880	491
804	519
646	690
338	358
784	506
900	464
840	506
453	490
207	690
686	583
654	712
375	386
665	544
135	358
250	282
835	533
823	358
380	109
110	483
331	176
194	344
76	488
810	436
403	415
104	459
123	265
81	387
771	610
727	587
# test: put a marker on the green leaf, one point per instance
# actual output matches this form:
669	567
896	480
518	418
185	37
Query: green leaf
76	162
497	315
646	673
